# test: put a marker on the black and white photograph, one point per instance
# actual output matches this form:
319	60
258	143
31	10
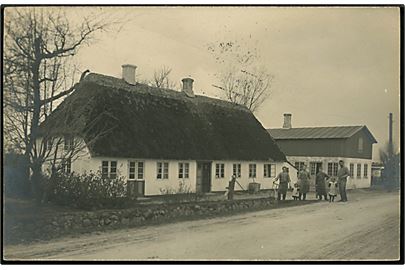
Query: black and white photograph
198	133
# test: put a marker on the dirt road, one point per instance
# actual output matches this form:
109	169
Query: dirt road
366	227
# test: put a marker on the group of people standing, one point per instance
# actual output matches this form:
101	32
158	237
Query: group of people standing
301	187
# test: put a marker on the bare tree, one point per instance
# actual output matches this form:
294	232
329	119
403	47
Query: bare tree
39	47
241	79
391	162
161	79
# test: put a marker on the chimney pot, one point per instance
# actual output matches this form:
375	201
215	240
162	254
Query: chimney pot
188	87
287	120
128	73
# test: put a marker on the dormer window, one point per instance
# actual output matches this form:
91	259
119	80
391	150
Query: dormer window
360	145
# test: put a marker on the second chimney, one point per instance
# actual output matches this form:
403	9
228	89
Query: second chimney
287	120
128	73
188	87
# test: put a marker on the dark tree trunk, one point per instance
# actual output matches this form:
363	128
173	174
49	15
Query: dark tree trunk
36	182
35	159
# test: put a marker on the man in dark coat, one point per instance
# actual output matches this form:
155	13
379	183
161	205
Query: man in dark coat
320	184
284	179
342	175
303	182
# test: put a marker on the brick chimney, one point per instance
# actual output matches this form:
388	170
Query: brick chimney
188	87
128	73
287	120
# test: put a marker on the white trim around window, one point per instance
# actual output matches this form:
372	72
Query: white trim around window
184	170
219	170
162	170
136	170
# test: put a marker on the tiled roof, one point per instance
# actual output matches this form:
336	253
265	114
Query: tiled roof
338	132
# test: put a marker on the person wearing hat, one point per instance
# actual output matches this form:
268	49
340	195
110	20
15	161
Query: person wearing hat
303	181
342	175
284	180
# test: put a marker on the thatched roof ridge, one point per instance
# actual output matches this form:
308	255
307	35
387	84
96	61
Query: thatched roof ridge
140	88
117	119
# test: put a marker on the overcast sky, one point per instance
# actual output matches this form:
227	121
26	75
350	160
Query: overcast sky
331	66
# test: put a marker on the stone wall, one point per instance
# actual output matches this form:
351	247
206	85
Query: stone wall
67	223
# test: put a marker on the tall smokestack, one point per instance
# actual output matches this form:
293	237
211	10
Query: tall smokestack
287	120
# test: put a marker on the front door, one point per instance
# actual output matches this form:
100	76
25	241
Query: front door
314	170
203	177
318	166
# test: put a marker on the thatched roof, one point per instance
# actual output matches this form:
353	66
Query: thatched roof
117	119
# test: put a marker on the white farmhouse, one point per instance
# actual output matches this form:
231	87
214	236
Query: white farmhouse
163	138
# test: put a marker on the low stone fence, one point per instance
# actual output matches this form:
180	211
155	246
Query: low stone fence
65	223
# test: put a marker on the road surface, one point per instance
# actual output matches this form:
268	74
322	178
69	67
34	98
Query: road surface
366	227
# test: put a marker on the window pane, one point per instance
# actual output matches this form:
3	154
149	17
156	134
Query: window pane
313	168
159	170
273	170
113	169
104	168
186	170
365	170
165	170
335	168
351	169
180	170
140	170
358	170
330	169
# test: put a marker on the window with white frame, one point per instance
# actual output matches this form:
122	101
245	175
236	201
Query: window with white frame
162	170
109	168
358	170
135	170
184	170
68	142
299	165
365	173
351	169
236	169
330	168
333	168
312	168
67	165
269	170
219	170
252	170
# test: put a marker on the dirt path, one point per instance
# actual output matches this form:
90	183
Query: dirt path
367	227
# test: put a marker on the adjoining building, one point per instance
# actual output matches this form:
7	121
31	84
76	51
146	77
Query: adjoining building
163	138
324	146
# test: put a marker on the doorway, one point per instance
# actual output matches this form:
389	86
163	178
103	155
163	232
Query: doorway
203	177
314	170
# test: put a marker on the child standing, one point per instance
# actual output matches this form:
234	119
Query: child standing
332	189
296	192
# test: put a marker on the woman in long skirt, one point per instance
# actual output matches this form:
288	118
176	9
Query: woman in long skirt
320	184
